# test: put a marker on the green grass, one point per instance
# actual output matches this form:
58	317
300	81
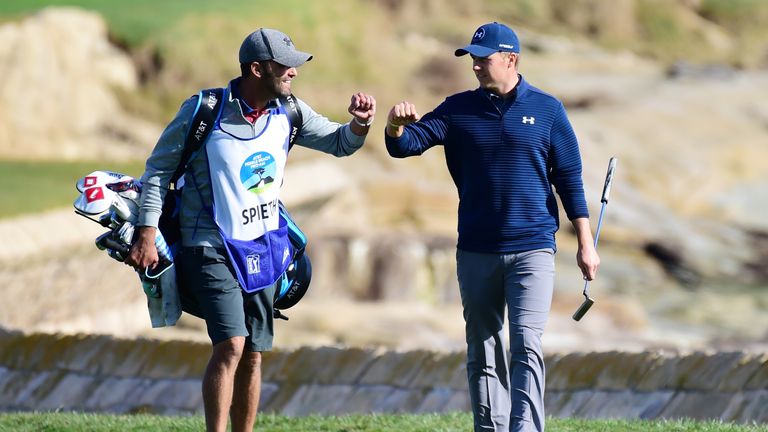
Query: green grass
133	22
31	187
736	15
130	21
74	422
357	47
195	43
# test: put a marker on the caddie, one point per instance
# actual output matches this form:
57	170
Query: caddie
234	244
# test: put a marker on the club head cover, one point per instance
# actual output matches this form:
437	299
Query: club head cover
99	178
95	198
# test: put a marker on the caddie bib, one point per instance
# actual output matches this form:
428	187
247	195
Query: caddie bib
246	175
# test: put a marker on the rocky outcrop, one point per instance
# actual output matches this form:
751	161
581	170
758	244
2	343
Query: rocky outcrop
59	76
685	225
369	288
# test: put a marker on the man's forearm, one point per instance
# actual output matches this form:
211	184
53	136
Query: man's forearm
359	127
393	131
583	231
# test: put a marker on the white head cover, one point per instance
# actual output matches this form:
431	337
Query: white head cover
96	198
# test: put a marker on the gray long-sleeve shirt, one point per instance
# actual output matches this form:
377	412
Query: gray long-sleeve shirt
197	225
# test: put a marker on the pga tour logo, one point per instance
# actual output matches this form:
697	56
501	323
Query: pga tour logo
253	264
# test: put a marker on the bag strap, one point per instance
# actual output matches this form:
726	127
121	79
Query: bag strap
295	118
209	105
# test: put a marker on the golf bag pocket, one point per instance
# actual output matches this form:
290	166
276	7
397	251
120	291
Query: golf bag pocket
169	220
295	281
162	294
259	263
297	236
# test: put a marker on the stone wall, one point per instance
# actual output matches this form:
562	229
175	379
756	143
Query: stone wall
103	374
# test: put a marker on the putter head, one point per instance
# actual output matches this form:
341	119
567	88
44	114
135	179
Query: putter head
588	302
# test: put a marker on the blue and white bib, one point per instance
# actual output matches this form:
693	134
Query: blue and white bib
246	175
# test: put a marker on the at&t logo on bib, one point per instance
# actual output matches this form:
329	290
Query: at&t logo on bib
258	172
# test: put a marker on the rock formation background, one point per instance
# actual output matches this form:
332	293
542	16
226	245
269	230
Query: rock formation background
685	237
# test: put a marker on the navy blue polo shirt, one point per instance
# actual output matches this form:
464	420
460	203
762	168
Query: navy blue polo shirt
505	160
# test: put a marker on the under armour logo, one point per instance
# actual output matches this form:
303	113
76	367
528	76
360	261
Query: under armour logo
529	120
287	41
479	34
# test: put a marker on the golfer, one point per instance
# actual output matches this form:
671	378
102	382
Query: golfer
231	254
507	144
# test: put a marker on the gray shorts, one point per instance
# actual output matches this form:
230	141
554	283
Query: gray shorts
209	289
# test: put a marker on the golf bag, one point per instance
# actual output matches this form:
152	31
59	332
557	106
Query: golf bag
111	199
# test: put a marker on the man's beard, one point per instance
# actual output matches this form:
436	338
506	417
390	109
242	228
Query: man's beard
273	82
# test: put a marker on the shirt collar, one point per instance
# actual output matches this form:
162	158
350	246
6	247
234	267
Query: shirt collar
520	89
234	90
248	113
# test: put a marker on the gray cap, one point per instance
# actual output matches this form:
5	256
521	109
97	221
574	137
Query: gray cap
269	44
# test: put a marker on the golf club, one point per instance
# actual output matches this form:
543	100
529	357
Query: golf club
588	302
107	241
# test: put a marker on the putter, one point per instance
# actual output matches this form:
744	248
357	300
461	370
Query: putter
588	301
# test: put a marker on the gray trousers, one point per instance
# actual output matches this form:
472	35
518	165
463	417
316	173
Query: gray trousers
507	394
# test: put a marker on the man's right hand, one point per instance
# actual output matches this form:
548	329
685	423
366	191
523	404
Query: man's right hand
403	113
143	252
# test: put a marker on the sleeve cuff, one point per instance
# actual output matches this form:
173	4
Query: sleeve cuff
148	218
355	141
578	215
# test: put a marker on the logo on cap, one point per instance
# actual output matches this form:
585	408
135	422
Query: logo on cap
288	41
479	34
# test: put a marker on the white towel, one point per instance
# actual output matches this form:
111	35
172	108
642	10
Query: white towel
163	300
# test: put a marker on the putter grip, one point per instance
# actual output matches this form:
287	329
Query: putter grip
582	310
608	180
